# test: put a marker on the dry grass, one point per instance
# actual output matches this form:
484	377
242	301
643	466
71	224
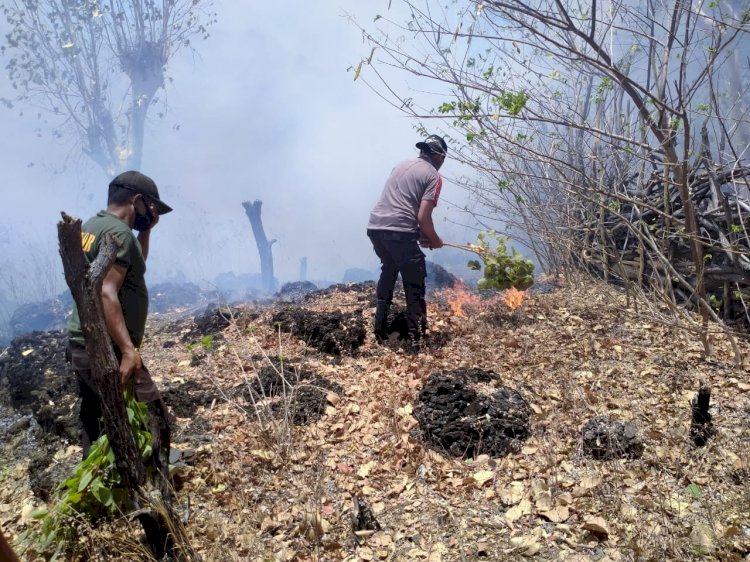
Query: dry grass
264	489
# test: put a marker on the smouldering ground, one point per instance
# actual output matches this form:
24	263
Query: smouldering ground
264	493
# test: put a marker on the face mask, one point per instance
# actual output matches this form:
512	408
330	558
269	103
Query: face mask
143	222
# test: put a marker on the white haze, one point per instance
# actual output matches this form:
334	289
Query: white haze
265	110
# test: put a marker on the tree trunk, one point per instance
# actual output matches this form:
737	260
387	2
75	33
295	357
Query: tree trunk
85	283
252	210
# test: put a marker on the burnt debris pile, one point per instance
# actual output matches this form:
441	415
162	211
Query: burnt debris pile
604	437
37	389
296	291
438	277
36	377
166	297
365	292
288	390
334	333
397	330
42	316
307	400
467	413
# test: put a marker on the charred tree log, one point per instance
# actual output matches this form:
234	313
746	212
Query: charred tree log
252	210
701	426
85	283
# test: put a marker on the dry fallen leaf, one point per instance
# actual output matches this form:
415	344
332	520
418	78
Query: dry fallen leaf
518	511
526	545
702	536
598	526
513	494
482	477
558	514
365	469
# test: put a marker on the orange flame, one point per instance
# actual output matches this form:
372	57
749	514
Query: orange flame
513	298
459	297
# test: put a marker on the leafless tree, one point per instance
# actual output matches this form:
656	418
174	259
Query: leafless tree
97	66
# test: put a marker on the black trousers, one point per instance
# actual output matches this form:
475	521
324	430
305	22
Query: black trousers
399	253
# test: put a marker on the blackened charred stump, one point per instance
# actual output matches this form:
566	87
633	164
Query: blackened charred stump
701	426
455	413
362	517
330	332
604	438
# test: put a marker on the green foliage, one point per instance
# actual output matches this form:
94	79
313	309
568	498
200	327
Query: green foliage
78	61
512	102
207	343
694	490
501	270
735	228
92	491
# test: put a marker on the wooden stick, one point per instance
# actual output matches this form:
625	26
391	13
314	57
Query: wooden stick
474	250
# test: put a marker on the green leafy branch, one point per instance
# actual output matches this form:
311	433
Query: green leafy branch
501	269
92	491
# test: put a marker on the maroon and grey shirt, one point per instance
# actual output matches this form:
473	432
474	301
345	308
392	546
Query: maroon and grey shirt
410	183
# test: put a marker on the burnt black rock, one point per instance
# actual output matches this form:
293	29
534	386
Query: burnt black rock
457	415
604	437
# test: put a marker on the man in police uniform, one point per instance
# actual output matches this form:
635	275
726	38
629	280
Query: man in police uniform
400	222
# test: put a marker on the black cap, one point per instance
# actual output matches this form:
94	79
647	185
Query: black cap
140	183
434	144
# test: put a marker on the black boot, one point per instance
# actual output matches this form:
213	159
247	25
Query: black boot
379	325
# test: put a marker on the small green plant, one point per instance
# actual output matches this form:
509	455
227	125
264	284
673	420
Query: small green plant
735	228
501	270
207	343
92	491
